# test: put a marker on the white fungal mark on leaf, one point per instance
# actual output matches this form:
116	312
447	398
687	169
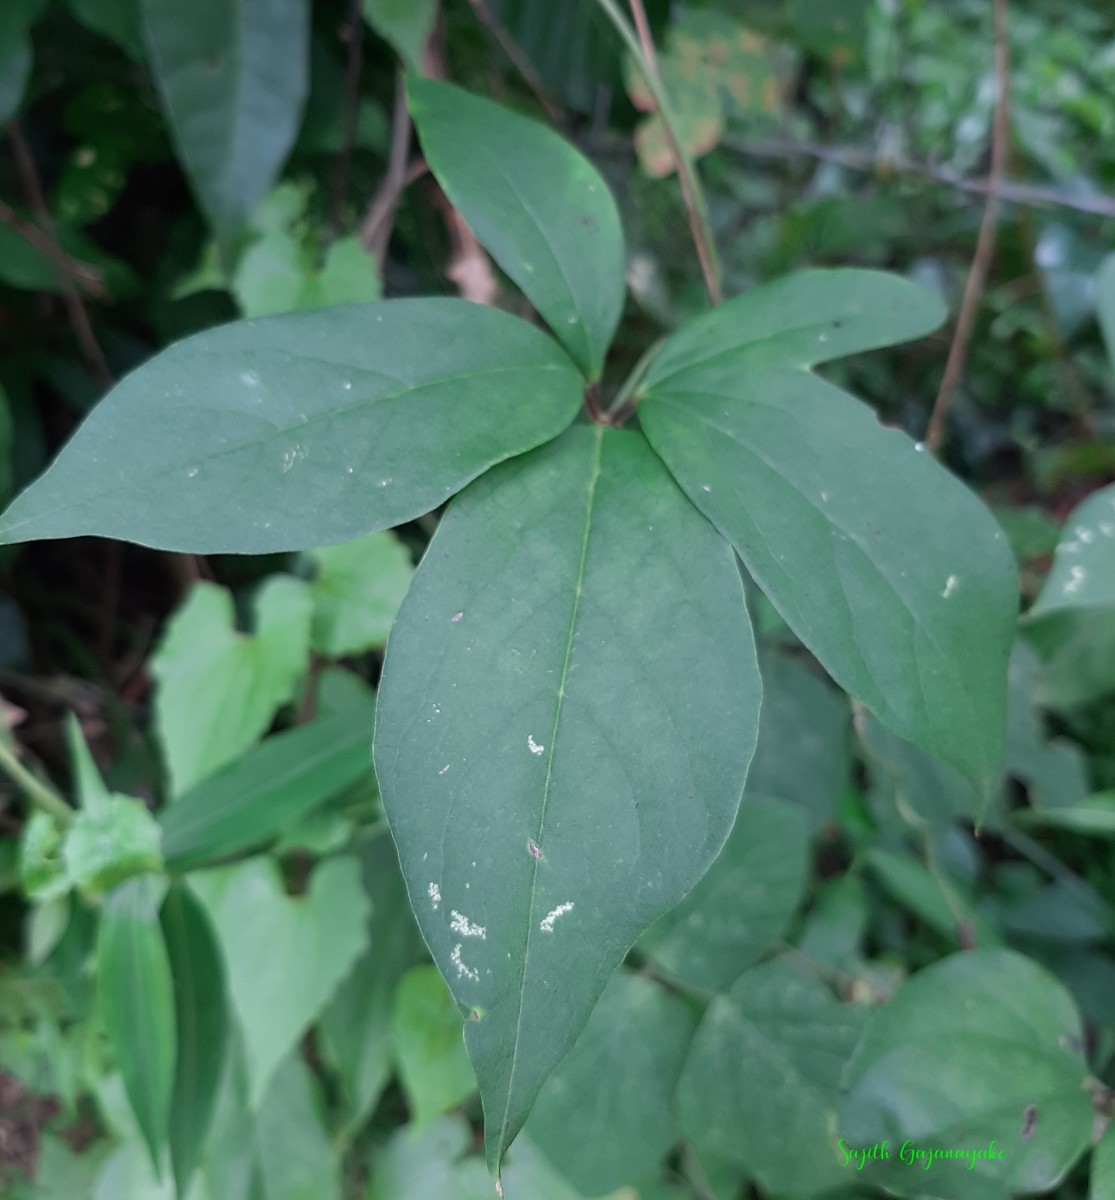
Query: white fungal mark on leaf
533	746
459	923
434	892
463	971
950	586
249	379
1076	577
445	768
548	920
457	616
1085	534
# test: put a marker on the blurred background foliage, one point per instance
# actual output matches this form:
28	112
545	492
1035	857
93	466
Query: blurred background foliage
211	715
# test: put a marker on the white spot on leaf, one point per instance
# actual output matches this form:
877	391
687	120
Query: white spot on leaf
434	892
459	923
463	971
950	586
548	920
1076	577
533	746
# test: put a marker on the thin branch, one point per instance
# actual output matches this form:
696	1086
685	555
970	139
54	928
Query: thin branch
354	35
41	795
1009	191
85	274
985	242
375	230
518	58
696	207
79	316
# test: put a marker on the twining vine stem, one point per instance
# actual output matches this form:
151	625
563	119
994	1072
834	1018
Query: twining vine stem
641	46
39	793
985	243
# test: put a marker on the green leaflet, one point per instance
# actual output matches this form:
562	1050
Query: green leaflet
136	1000
568	708
538	206
406	24
289	432
201	1019
956	1059
1083	574
233	77
849	530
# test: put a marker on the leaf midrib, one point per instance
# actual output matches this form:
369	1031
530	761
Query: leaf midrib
570	637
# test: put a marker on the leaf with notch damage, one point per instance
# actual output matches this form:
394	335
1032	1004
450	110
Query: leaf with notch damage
568	708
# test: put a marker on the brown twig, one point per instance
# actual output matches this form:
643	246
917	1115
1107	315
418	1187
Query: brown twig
354	35
75	306
80	272
696	211
985	242
518	58
375	230
1009	191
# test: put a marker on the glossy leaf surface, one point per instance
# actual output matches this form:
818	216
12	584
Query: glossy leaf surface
539	207
136	1000
233	77
303	430
568	708
850	531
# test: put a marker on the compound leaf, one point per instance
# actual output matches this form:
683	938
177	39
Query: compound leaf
568	708
537	205
302	430
850	531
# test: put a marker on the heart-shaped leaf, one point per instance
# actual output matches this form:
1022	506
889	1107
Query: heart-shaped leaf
537	205
302	430
568	707
850	531
281	969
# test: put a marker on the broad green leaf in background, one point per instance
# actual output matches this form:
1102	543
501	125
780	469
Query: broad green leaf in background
356	1029
605	1117
743	904
281	970
357	591
982	1046
116	19
1103	1167
416	1164
218	689
303	430
568	708
539	207
1077	651
406	24
269	788
16	19
920	891
804	750
233	77
848	529
201	1019
1093	815
426	1026
760	1086
136	1002
1083	573
1105	303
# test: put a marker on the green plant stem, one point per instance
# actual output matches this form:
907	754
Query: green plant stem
695	204
625	401
39	793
